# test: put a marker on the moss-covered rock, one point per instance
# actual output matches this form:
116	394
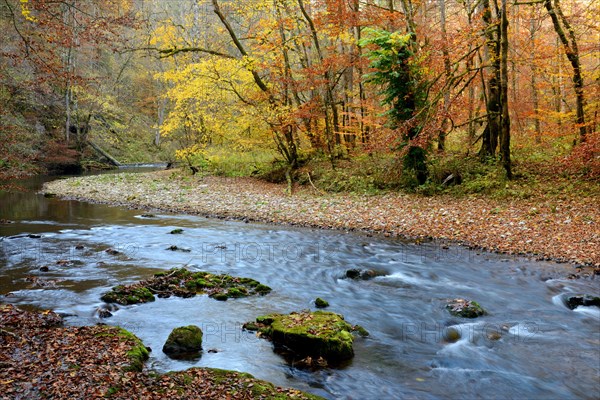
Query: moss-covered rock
131	294
320	303
582	300
360	330
138	353
318	334
183	341
465	308
177	231
184	283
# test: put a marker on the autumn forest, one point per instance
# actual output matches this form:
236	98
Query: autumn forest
386	94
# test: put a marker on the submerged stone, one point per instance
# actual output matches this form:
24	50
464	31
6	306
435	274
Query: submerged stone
183	341
465	308
452	335
360	330
175	248
318	334
364	274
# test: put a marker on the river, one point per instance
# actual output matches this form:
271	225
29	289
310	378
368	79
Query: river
530	345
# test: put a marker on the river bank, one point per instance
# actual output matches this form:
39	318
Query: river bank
561	228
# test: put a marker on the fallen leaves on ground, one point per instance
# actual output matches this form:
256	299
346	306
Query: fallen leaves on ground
39	358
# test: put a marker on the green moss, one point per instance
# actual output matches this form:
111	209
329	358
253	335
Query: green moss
191	285
137	354
183	283
259	389
320	303
185	339
112	391
465	308
251	326
201	283
317	334
176	231
360	330
236	292
267	319
262	289
220	296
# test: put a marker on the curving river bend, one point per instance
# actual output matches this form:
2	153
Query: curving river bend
529	346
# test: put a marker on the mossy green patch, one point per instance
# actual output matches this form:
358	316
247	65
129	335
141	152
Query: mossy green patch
183	340
315	334
258	389
320	303
137	353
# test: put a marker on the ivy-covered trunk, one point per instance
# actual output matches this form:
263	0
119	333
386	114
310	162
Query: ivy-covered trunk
401	80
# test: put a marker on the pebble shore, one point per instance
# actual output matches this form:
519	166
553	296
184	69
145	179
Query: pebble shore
565	230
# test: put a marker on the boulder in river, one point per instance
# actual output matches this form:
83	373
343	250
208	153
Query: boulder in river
318	334
465	308
364	274
320	303
582	300
183	341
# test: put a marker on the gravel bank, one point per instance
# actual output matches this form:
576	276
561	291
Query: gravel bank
564	229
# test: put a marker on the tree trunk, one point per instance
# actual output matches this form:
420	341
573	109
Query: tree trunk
560	23
471	91
162	106
447	71
505	117
491	132
364	130
69	74
534	90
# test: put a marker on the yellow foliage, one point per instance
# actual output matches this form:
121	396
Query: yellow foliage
166	35
26	12
209	106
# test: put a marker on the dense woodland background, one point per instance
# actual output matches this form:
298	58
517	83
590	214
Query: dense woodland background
356	95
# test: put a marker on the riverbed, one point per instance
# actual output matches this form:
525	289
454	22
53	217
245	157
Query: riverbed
529	345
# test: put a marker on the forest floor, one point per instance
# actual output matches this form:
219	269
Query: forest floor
564	228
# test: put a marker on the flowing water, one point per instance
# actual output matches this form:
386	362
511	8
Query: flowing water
529	345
